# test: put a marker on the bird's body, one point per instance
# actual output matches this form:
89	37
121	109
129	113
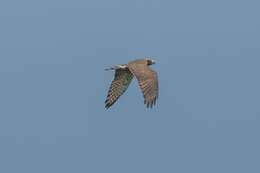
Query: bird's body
147	79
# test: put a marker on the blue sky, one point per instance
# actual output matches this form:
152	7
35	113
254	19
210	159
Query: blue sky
53	86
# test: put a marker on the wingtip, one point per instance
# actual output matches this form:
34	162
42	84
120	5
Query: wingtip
107	106
150	103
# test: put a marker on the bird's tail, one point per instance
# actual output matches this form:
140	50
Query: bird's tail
116	67
111	68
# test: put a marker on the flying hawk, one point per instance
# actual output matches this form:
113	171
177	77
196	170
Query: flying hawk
147	79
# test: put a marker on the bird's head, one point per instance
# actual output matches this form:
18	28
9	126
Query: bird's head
150	61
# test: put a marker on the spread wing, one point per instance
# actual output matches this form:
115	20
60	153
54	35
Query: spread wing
148	81
119	85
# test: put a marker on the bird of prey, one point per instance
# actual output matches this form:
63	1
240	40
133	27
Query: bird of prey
147	79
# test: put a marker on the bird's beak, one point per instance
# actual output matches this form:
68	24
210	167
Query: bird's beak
153	62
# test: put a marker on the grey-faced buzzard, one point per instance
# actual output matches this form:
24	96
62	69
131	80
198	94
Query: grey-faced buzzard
147	79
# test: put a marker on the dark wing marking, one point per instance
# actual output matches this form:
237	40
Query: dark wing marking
119	85
148	81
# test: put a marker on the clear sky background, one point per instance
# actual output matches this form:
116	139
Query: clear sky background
53	86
